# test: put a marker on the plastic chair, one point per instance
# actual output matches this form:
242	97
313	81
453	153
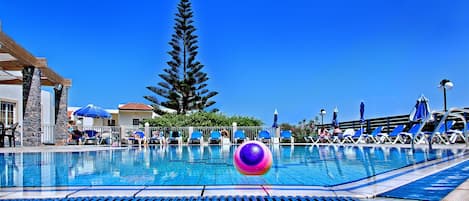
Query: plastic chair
215	137
196	138
286	135
239	135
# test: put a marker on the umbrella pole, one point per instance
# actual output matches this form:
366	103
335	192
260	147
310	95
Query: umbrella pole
361	129
430	142
412	143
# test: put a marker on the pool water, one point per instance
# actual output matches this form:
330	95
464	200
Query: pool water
206	165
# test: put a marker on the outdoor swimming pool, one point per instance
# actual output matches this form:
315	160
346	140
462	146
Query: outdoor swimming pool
206	165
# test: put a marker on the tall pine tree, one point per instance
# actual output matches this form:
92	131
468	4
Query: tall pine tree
184	87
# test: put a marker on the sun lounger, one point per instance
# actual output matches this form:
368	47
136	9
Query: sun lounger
392	137
138	136
340	138
157	137
196	138
240	136
356	138
438	135
91	137
286	135
309	138
264	136
215	137
373	136
454	135
412	134
175	138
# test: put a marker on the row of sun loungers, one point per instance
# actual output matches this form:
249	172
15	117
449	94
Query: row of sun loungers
376	136
397	135
215	137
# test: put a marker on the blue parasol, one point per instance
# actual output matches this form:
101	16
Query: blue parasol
92	111
362	112
275	125
421	110
335	122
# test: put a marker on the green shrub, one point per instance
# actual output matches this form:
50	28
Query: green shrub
206	119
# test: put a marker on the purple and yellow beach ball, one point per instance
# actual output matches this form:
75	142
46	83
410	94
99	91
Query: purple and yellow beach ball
253	158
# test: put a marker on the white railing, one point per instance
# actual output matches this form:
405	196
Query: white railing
455	113
251	131
121	133
47	134
105	133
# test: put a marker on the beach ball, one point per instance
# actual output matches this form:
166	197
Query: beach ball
252	158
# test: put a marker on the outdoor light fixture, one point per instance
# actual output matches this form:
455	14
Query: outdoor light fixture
445	84
322	113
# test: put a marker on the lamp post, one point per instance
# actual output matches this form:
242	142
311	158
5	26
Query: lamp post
445	84
322	113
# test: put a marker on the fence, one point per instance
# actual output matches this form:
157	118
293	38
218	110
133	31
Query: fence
390	123
251	132
120	134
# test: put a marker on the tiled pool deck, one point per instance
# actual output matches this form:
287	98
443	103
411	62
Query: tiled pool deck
363	189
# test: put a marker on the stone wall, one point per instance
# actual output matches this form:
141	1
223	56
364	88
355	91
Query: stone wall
61	118
31	106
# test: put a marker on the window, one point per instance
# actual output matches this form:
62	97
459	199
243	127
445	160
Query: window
111	122
7	113
135	122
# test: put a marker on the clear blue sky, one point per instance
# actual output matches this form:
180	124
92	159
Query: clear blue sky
297	56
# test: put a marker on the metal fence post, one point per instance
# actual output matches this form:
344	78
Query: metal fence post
235	127
147	130
122	133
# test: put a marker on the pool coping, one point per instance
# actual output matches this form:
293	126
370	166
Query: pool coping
365	188
460	193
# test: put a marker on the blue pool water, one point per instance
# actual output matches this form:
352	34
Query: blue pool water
205	165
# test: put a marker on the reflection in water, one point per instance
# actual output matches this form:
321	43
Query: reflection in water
8	167
205	165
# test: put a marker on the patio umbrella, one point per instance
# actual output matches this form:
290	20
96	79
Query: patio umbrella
92	111
335	122
362	114
421	110
275	125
